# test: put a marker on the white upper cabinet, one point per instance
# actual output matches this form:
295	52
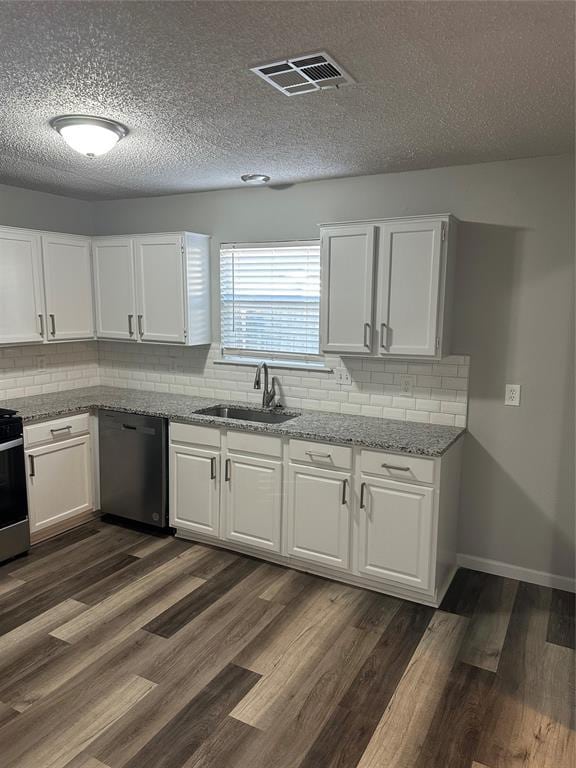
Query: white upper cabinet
409	264
153	288
114	288
347	262
21	310
404	269
161	288
68	287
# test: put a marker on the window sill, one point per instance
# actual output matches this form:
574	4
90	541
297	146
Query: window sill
285	364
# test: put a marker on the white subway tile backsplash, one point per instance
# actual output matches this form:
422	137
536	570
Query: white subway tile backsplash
439	392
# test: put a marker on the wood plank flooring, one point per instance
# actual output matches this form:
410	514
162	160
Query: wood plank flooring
119	649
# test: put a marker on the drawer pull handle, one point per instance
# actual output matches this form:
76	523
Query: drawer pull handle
368	335
32	466
213	468
61	429
344	491
140	331
228	470
130	328
318	455
53	324
395	466
362	496
41	319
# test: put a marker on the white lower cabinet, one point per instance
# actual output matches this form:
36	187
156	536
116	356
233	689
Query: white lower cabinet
318	515
383	521
395	532
195	489
252	499
60	483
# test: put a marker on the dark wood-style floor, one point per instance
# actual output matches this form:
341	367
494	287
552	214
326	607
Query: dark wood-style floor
123	650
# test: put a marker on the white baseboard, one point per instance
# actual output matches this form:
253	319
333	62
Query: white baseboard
516	572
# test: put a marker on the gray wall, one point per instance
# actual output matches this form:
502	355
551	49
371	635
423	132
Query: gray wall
515	298
39	210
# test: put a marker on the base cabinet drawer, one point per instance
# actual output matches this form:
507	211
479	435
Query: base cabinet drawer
59	481
395	532
318	515
252	499
57	429
195	489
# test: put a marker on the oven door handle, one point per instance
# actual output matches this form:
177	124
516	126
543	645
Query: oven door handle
11	444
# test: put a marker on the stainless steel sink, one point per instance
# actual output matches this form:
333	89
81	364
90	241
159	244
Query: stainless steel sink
275	416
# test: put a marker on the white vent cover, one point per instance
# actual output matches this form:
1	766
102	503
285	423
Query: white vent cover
304	74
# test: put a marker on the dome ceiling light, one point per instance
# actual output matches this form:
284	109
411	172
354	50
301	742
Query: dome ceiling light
90	136
255	178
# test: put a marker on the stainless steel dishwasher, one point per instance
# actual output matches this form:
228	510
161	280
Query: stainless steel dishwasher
133	467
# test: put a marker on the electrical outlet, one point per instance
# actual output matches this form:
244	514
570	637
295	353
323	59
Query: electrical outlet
512	396
343	376
174	365
407	385
41	363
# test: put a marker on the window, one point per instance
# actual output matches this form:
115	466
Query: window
270	298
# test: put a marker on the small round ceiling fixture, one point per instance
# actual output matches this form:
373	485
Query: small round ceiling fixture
255	178
91	136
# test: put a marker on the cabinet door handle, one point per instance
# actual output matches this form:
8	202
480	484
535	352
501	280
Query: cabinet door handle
362	496
213	468
368	335
344	491
41	319
383	335
395	466
140	331
60	429
228	470
53	325
130	328
32	472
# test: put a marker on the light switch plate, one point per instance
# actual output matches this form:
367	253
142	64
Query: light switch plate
512	396
342	376
41	364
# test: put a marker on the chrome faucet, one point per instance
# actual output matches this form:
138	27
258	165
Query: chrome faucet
268	394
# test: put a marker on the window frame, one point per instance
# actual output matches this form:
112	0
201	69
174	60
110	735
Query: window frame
234	356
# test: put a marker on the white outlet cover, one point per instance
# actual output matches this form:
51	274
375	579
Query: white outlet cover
343	376
512	396
406	384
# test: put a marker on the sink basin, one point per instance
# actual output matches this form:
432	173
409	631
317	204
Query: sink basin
276	416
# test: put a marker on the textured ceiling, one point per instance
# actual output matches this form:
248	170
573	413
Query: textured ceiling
438	83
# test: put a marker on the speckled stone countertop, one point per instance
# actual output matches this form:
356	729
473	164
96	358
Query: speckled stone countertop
384	434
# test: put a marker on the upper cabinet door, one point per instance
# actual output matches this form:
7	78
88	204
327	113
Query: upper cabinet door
114	288
21	313
161	288
68	287
347	260
409	268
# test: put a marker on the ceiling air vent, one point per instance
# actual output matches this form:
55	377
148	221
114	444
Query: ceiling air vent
304	74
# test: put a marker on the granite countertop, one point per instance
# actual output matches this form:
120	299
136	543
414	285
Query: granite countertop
384	434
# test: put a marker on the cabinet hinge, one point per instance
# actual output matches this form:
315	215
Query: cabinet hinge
443	231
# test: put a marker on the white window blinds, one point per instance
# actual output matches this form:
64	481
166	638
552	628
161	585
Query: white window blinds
270	297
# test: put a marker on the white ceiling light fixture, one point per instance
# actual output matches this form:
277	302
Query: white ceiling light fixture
255	178
90	136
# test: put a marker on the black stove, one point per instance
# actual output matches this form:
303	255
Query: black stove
14	526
